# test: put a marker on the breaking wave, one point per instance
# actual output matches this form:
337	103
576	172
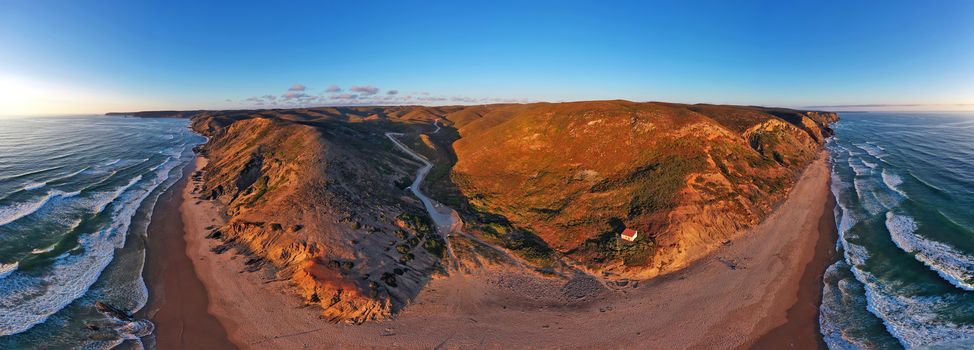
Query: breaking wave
110	196
7	269
867	197
33	186
860	170
893	181
29	173
843	319
953	266
51	270
47	249
16	211
843	215
913	321
27	300
872	150
906	276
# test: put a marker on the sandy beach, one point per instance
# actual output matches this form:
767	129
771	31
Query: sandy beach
801	331
768	299
177	299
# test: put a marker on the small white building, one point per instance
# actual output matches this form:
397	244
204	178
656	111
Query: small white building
629	234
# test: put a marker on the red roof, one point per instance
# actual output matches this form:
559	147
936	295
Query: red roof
629	232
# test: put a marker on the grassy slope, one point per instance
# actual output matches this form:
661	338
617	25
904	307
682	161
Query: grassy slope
575	174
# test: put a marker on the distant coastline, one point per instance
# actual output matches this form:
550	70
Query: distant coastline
156	114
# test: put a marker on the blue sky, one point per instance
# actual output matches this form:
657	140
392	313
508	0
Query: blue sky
92	57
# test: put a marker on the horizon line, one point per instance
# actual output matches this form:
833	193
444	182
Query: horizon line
869	105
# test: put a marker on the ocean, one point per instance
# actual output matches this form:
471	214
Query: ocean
904	183
76	196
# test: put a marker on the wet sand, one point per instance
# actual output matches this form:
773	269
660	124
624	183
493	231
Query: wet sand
772	289
178	301
802	330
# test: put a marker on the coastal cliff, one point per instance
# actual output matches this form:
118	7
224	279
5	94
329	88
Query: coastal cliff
687	177
317	196
316	203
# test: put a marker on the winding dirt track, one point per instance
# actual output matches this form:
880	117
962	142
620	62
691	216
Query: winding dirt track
447	219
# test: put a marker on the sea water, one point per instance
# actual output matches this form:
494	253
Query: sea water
904	183
76	195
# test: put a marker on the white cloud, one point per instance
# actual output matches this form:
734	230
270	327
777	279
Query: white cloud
344	97
365	90
294	95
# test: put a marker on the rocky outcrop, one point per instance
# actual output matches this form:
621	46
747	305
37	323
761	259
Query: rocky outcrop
118	324
783	142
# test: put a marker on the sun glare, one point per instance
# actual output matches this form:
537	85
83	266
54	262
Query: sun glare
20	96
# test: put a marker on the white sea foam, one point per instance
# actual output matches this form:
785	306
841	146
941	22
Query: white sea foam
893	181
68	176
33	185
107	198
952	265
157	166
911	320
174	151
7	269
15	211
858	168
843	215
872	150
842	313
26	301
914	321
838	148
865	191
831	313
43	250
